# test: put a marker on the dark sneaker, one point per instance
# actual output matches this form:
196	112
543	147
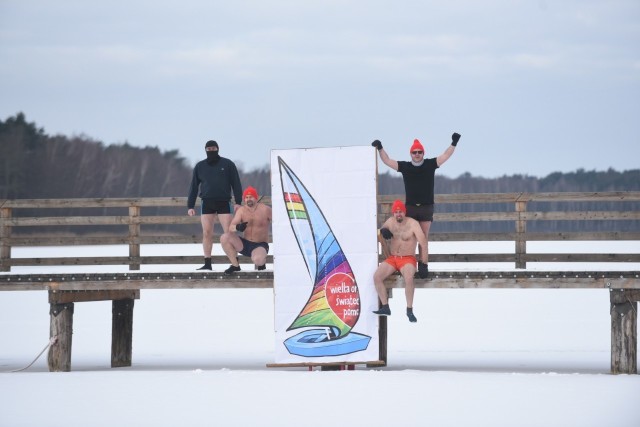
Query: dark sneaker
262	267
410	315
232	269
383	311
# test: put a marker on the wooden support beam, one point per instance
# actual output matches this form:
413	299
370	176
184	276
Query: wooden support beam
382	337
61	312
521	230
625	295
121	333
5	240
624	332
383	332
62	297
61	331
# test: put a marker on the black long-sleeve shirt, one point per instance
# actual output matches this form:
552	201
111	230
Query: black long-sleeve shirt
215	182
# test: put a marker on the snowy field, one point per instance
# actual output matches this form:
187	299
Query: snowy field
485	357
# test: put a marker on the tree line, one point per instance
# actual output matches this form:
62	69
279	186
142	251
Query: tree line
37	165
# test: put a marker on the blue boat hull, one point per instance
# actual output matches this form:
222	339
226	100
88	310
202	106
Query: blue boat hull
314	343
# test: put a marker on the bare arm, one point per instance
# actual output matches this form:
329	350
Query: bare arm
388	160
384	246
237	219
445	156
384	243
268	210
449	151
387	223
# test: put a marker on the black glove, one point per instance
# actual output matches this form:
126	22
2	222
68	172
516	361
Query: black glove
423	270
377	144
242	226
455	138
386	233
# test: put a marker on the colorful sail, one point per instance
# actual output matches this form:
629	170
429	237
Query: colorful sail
334	302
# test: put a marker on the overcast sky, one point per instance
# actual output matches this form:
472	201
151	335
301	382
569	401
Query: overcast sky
533	86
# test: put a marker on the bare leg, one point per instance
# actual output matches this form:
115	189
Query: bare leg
259	256
225	221
384	270
207	221
231	244
409	289
425	226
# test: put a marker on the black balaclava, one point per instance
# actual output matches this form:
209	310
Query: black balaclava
212	156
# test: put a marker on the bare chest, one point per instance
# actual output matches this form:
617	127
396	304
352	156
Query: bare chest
257	217
403	233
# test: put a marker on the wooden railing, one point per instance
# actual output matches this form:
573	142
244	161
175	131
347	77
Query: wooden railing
17	229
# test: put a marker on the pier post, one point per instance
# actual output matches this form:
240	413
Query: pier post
383	333
61	331
382	336
121	333
624	331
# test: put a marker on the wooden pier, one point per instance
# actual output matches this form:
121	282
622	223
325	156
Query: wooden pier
124	288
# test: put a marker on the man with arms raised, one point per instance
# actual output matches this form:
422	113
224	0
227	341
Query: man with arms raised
419	178
401	234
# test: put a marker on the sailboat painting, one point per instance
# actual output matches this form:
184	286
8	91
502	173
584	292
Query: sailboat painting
324	325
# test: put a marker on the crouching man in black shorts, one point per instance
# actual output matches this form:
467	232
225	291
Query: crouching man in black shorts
253	219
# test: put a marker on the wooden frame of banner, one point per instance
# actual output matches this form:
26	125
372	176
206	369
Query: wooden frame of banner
329	366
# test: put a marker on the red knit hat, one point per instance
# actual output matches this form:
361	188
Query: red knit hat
416	146
250	191
398	206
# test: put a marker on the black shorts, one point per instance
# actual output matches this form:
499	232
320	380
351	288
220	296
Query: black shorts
420	213
215	207
248	246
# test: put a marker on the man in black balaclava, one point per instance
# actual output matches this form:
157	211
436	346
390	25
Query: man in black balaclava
215	178
213	155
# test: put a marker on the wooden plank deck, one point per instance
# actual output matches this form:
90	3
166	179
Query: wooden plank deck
516	279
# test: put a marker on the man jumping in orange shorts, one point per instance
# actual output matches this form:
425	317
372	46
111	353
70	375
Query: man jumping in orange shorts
402	234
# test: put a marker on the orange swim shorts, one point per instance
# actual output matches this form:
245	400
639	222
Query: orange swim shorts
398	262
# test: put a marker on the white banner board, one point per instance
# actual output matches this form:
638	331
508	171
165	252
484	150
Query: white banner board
325	253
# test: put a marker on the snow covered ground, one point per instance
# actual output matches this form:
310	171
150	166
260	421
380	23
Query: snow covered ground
485	357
